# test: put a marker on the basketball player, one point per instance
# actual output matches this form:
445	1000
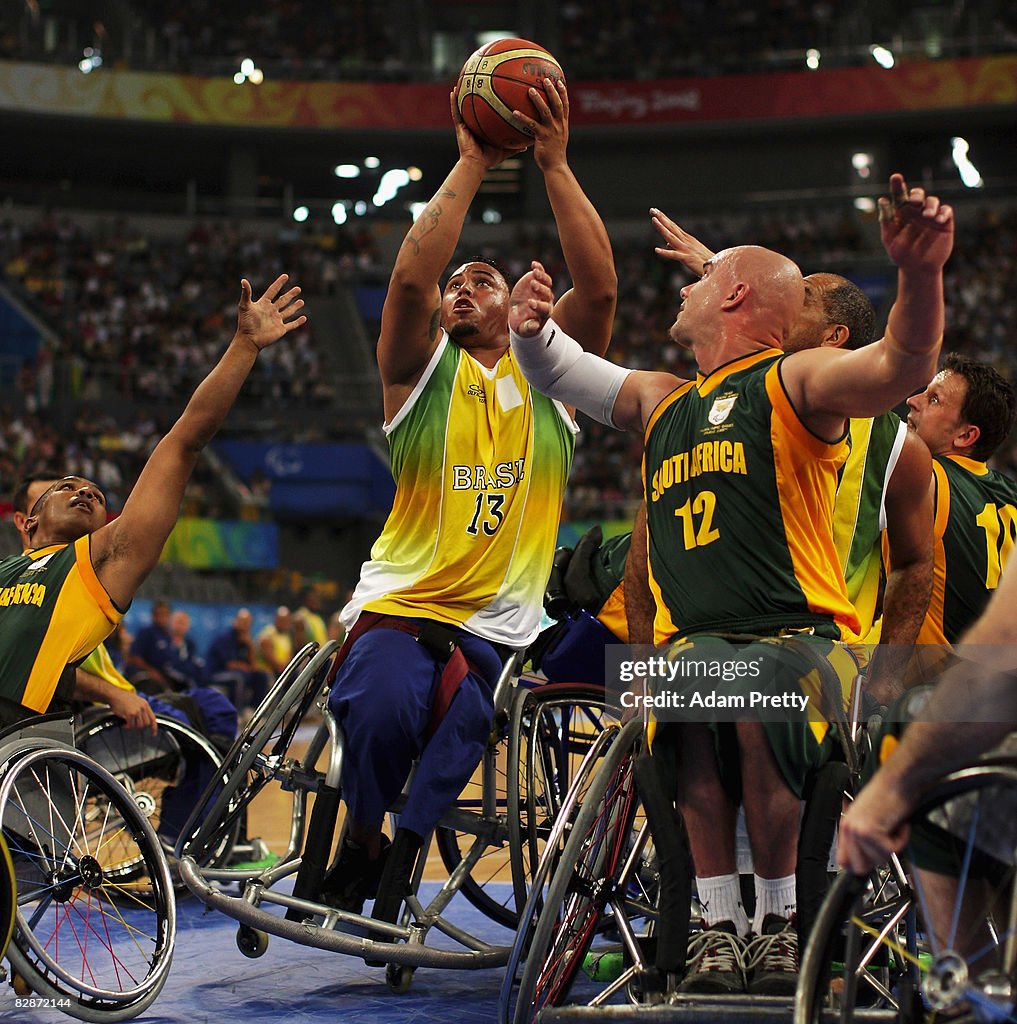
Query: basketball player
964	415
456	579
886	483
66	594
740	473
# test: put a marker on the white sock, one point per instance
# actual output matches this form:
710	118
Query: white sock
720	896
774	896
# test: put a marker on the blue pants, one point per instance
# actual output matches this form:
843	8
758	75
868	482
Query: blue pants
382	697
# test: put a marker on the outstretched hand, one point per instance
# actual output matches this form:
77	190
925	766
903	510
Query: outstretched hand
916	228
272	316
679	244
531	301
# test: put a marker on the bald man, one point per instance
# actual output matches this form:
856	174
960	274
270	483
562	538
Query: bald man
740	474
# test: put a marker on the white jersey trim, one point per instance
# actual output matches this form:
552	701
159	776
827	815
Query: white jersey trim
418	388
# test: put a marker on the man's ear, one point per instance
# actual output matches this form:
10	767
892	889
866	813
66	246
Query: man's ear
738	294
968	437
835	336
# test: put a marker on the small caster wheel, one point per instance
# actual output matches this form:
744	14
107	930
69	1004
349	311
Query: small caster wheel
20	986
399	977
252	942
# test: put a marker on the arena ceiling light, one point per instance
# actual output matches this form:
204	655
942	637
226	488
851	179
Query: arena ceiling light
862	163
249	72
882	56
346	171
967	170
812	58
90	60
300	214
339	214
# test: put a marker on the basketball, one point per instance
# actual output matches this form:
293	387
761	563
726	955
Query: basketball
494	82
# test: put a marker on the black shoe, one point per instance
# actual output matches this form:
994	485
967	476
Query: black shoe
396	881
773	958
716	964
354	877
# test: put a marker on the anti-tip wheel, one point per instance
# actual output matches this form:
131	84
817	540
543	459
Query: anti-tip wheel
252	942
399	977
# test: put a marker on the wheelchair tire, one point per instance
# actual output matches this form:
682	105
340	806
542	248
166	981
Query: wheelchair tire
158	771
551	730
71	828
582	883
530	712
256	754
858	962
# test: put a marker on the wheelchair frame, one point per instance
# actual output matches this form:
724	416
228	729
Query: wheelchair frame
261	754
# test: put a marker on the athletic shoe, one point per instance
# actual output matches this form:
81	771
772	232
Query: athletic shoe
354	877
716	962
773	958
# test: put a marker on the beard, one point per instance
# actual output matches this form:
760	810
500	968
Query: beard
461	331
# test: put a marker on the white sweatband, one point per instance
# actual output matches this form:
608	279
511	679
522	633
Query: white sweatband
557	366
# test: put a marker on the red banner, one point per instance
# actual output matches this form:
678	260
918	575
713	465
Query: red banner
930	85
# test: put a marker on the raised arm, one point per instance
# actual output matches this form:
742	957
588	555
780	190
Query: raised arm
555	364
586	310
410	318
679	245
909	516
124	552
828	386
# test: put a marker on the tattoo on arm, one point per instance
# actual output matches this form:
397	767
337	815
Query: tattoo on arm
428	221
434	328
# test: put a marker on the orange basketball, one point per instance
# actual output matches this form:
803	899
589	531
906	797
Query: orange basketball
494	82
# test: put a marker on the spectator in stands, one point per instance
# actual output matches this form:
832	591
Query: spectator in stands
310	612
230	663
186	664
275	643
150	650
93	568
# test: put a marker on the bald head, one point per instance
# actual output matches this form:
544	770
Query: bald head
747	299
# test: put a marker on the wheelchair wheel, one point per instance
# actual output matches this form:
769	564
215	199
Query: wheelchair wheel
256	755
8	897
86	934
583	882
567	718
164	773
893	947
551	731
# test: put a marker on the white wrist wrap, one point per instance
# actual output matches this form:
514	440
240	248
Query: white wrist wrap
557	366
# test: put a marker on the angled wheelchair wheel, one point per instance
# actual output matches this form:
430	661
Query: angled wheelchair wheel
939	943
165	773
8	897
91	930
583	883
257	754
552	729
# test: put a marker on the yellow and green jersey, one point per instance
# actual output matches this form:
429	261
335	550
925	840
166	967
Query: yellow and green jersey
739	499
860	509
53	612
480	463
974	533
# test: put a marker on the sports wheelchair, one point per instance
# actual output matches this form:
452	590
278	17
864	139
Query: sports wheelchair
94	920
621	889
500	826
883	950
